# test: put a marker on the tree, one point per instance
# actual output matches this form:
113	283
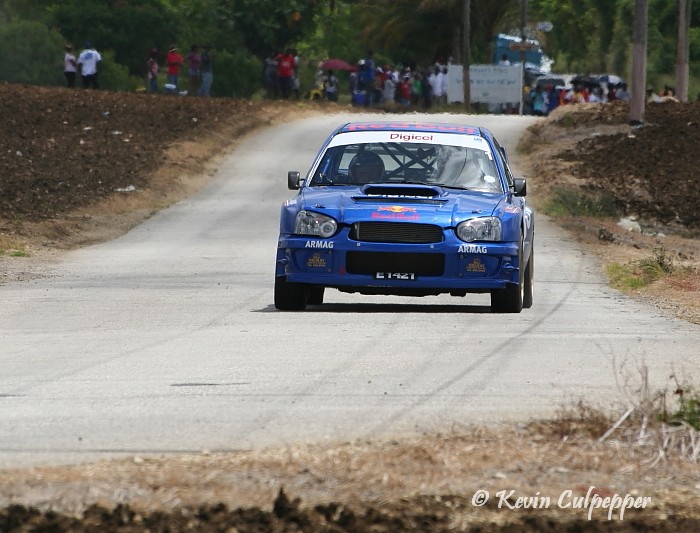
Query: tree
431	29
128	27
31	53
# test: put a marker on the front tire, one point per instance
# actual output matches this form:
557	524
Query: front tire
290	296
529	281
512	298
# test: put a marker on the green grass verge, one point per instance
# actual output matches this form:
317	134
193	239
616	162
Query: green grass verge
573	202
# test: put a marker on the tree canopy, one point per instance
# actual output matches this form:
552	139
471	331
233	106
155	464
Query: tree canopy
587	36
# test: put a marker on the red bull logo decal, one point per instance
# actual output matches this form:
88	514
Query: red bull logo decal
396	212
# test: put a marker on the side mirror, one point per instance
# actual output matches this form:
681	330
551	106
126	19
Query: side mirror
520	187
293	180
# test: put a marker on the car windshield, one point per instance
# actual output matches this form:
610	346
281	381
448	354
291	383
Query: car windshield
448	166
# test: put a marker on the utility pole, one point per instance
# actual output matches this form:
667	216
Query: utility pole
682	49
466	52
523	51
639	62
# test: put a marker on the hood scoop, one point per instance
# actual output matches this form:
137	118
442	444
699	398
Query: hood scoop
408	192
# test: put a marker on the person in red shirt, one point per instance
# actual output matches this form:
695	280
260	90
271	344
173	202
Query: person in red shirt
285	72
174	62
404	90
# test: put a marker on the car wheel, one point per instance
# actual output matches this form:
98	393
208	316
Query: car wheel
290	296
316	295
529	281
510	299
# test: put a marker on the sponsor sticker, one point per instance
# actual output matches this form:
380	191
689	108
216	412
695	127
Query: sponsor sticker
316	261
396	212
472	249
318	244
476	266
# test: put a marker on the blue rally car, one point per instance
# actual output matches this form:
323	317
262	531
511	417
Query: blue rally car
410	209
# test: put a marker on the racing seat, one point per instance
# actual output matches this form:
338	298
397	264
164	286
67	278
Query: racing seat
366	167
471	175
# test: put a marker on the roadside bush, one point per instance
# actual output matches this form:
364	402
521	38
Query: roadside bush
31	53
640	273
236	74
574	202
114	76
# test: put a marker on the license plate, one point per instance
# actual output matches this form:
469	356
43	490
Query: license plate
408	276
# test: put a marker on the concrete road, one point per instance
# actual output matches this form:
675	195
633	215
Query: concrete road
166	340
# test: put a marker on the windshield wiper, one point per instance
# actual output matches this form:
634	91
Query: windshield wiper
461	188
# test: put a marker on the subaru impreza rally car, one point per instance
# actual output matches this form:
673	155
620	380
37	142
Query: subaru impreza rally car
410	209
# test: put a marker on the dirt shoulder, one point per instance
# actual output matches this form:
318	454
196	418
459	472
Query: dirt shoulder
629	195
426	483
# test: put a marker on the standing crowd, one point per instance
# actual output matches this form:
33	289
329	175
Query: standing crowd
404	85
369	84
85	64
543	99
200	74
280	77
199	69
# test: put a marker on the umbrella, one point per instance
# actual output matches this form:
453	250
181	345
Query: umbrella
610	79
336	64
587	81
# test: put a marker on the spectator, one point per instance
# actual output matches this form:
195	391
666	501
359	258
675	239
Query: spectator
330	87
153	68
552	99
389	91
621	93
206	71
353	82
366	77
378	93
174	62
285	72
595	97
539	101
193	59
435	85
425	89
443	84
88	61
404	91
295	78
416	88
504	62
270	75
70	66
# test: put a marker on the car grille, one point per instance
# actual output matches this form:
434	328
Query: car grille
370	263
396	232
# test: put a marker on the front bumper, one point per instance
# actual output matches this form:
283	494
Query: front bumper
449	265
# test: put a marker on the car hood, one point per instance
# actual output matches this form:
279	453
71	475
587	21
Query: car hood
400	203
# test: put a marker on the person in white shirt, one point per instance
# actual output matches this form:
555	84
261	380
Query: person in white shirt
443	85
70	66
504	62
435	81
88	61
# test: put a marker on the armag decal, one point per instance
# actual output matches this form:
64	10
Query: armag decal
318	244
472	249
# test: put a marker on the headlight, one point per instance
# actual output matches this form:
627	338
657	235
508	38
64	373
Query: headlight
480	229
310	223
